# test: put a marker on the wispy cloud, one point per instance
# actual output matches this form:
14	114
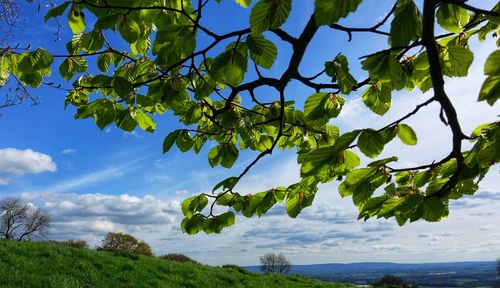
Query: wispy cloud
68	151
91	178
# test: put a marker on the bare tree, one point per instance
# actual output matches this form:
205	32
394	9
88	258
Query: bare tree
272	263
12	93
21	221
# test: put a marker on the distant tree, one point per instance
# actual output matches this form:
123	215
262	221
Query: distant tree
498	266
11	23
21	221
125	242
391	281
272	263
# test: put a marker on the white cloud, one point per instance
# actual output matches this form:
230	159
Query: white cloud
15	163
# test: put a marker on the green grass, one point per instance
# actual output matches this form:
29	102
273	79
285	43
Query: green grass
25	264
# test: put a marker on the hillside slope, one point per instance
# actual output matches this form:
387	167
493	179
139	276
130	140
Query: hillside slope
24	264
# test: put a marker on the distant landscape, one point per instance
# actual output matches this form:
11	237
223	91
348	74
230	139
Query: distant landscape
454	274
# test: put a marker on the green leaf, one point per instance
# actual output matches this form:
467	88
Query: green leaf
194	204
192	225
262	51
230	66
219	222
269	14
244	3
323	106
377	97
170	140
104	61
457	60
125	121
71	65
184	141
492	64
361	184
214	157
490	90
76	19
122	87
144	121
338	69
299	198
452	17
433	209
354	178
406	134
92	41
129	30
107	22
384	67
229	154
328	12
407	23
226	184
371	143
344	141
56	11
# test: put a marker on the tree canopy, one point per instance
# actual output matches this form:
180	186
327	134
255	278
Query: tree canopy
215	91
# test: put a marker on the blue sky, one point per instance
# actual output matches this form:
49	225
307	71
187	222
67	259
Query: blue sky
94	181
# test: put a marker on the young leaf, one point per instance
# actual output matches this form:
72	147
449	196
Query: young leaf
492	64
490	91
170	140
122	87
406	134
244	3
226	184
407	23
194	204
433	209
193	224
144	121
219	222
76	19
56	11
377	97
457	60
184	141
262	51
269	14
371	143
129	29
452	17
338	69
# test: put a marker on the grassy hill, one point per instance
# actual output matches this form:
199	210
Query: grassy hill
25	264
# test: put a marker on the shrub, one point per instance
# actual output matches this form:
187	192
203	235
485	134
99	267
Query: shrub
176	257
236	267
391	281
80	244
125	242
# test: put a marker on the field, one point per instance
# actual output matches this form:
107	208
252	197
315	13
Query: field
25	264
